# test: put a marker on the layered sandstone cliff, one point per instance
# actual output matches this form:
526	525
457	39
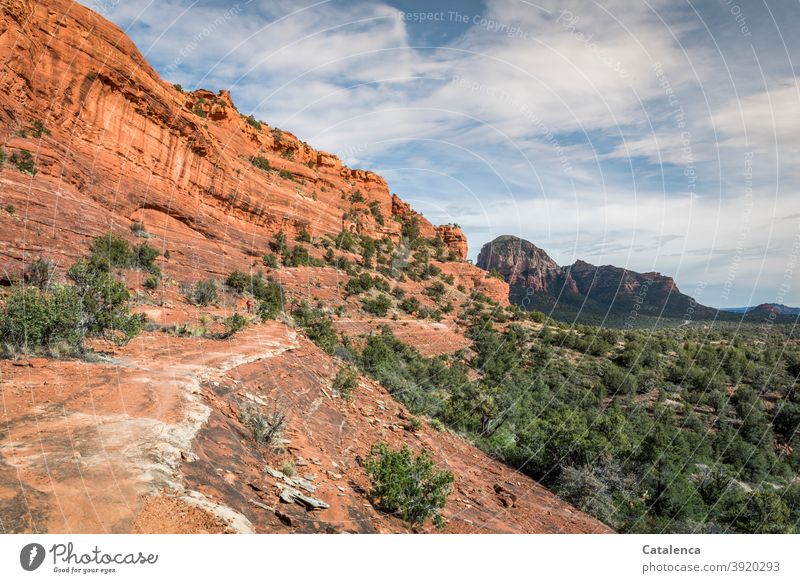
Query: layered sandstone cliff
113	144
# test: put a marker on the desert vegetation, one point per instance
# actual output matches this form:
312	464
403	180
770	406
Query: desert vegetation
38	315
407	486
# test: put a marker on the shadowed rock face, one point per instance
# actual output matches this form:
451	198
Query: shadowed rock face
538	282
521	263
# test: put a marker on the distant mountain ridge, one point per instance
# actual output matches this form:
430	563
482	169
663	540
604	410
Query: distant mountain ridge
779	309
582	290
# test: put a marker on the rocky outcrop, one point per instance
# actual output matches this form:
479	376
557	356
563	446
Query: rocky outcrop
521	263
454	238
538	282
403	212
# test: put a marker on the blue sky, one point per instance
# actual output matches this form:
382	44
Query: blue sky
654	135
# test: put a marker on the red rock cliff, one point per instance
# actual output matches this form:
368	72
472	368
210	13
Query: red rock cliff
123	145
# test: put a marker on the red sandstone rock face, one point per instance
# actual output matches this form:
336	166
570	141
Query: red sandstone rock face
122	143
454	238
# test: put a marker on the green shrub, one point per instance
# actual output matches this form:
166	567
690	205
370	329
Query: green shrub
346	381
94	305
618	381
375	210
764	512
104	304
39	130
318	327
435	291
234	324
787	420
32	319
304	236
24	162
138	229
252	121
408	487
378	306
496	274
278	243
270	260
410	305
151	282
11	209
413	424
345	241
360	283
270	298
205	292
344	264
178	87
266	427
260	162
110	251
40	274
299	257
268	292
410	229
144	257
243	282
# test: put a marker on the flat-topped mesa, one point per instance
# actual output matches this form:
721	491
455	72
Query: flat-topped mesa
140	148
